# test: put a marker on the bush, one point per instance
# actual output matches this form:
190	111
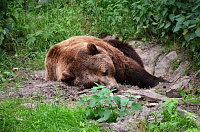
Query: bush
105	108
177	21
6	20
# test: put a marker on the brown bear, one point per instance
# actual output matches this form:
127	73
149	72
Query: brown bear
83	60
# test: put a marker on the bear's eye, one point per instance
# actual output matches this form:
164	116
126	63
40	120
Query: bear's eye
105	73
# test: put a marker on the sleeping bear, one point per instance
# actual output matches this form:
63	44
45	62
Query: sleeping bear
84	60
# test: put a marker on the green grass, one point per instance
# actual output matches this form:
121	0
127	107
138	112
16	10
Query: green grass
42	117
38	27
173	121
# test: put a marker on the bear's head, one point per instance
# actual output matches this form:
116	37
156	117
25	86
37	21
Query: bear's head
90	64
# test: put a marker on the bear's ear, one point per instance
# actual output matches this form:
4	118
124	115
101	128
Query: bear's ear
92	49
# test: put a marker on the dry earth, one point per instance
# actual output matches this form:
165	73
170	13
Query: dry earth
156	62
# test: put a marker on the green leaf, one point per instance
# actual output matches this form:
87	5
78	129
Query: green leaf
162	25
185	31
124	101
139	7
186	23
177	28
6	74
180	19
20	88
13	75
38	33
183	43
130	95
192	47
181	92
167	25
135	106
163	33
171	2
122	113
170	107
83	95
192	130
1	38
14	18
101	119
167	101
196	7
137	19
154	23
80	103
93	97
93	102
94	89
109	100
151	126
189	36
172	17
106	116
1	15
120	38
144	27
88	112
165	11
178	4
101	101
197	32
117	100
2	79
31	39
191	26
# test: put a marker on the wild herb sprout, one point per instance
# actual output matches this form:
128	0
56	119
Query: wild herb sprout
106	108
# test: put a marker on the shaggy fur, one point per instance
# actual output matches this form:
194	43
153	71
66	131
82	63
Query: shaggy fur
83	60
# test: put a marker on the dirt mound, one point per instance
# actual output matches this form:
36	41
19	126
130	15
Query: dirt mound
156	62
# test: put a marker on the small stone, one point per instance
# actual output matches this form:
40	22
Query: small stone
172	93
111	94
151	104
15	69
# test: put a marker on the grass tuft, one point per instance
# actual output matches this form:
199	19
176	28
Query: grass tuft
15	115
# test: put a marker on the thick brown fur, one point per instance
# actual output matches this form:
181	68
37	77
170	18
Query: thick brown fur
83	60
126	49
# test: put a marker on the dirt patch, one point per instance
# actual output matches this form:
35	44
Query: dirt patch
157	63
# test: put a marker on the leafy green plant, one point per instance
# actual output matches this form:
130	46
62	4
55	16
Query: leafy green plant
175	64
17	86
172	120
177	21
190	98
6	21
6	75
103	107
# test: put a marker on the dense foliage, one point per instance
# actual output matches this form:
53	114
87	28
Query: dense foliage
32	26
166	20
